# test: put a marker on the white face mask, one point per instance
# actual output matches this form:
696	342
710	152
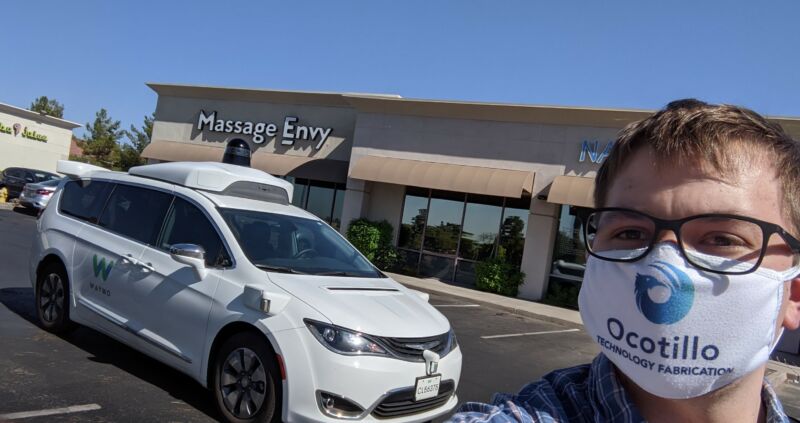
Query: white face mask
678	331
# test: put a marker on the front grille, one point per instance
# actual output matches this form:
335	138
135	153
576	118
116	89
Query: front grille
411	348
401	403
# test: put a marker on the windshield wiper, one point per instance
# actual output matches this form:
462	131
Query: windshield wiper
279	269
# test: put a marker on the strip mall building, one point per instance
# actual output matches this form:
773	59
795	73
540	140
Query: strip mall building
33	140
458	181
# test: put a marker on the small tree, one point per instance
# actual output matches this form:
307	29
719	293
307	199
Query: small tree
141	138
101	146
50	107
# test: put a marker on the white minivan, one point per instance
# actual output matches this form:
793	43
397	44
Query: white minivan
207	267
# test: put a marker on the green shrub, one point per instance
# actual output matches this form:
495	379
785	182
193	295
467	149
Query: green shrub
498	276
374	240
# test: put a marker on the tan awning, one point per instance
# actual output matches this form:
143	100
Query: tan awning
444	176
572	190
275	164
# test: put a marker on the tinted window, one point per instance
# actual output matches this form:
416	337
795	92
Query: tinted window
14	173
84	199
186	224
136	212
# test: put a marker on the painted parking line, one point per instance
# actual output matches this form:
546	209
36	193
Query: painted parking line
50	412
456	305
512	335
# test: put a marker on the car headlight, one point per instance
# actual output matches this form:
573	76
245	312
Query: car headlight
344	341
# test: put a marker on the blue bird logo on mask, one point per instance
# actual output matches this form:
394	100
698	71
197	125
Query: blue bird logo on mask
679	302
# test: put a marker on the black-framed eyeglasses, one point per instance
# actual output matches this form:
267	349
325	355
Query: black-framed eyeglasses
719	243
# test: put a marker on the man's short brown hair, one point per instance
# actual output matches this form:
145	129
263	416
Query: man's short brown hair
723	136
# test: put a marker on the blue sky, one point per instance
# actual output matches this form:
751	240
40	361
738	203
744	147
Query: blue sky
624	54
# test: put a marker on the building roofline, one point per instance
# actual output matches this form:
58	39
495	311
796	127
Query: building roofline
395	104
39	117
251	94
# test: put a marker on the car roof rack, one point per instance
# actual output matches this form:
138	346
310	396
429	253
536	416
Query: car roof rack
220	178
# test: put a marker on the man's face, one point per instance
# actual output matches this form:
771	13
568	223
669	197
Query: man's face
674	192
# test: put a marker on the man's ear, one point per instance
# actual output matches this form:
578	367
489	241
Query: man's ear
791	318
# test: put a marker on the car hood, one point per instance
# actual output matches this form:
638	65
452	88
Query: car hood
378	306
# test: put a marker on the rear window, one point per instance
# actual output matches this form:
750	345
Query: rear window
45	176
136	212
84	199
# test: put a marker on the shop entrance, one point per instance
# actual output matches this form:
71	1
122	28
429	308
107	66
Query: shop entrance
443	234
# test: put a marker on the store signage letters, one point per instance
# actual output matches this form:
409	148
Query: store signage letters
33	135
291	132
592	149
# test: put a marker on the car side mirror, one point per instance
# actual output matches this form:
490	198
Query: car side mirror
190	254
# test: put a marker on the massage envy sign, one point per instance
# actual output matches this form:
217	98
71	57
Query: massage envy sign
292	131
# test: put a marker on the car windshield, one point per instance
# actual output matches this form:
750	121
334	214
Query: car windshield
290	244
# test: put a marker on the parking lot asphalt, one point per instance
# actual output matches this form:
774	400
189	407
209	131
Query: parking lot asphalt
105	381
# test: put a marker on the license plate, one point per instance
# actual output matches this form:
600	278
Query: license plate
427	387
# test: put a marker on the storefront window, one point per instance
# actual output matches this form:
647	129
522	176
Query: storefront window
513	228
569	261
444	222
481	224
324	199
412	224
443	234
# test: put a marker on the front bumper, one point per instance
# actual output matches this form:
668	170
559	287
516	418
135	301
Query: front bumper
367	381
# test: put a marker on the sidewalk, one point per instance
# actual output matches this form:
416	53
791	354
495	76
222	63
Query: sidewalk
512	305
785	378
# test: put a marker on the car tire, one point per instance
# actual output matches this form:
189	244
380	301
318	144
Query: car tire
251	392
52	299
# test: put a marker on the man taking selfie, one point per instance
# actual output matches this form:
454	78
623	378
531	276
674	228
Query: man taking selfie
692	276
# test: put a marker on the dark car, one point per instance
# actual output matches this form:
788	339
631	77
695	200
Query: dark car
13	179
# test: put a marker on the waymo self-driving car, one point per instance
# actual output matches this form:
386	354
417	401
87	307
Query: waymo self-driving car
207	267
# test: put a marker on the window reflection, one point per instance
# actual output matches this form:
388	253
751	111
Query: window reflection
324	199
412	224
512	230
449	232
444	222
481	223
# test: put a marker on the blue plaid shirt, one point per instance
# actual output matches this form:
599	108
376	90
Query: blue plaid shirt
587	393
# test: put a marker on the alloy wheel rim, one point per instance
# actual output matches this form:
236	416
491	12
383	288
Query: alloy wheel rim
51	299
243	383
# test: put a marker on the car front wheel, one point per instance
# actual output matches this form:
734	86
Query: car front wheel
246	380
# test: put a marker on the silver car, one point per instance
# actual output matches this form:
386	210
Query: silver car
36	195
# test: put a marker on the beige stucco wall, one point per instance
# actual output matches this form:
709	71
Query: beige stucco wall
176	120
18	151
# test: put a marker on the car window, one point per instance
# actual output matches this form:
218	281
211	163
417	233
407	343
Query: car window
186	224
43	176
84	199
136	212
295	244
14	173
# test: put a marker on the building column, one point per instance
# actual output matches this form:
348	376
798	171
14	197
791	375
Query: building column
356	198
538	254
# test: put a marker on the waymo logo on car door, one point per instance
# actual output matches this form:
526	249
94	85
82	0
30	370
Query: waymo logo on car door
101	269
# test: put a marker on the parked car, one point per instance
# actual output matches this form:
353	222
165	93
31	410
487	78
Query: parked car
13	179
38	195
207	267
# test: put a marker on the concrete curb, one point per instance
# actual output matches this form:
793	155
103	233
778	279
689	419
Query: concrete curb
511	305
